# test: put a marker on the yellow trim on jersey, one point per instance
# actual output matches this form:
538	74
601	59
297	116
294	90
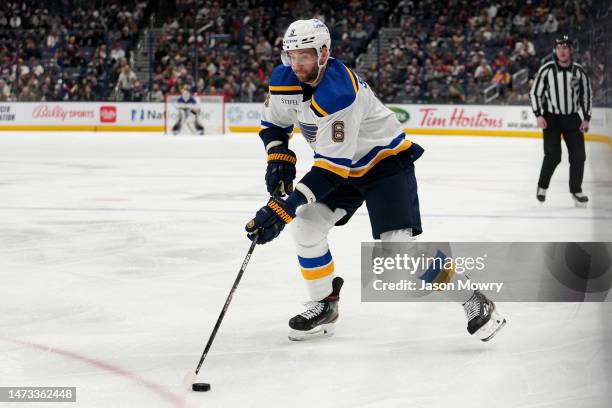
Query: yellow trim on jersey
318	273
350	74
405	145
318	108
341	171
285	88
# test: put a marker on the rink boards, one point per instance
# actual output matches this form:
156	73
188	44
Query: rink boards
451	120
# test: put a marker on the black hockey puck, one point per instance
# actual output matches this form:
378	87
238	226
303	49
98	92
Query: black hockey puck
201	387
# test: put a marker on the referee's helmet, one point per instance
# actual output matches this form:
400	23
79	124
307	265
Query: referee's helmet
563	40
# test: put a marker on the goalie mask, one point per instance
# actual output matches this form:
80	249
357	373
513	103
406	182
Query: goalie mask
304	34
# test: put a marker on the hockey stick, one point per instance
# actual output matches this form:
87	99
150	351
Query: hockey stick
198	386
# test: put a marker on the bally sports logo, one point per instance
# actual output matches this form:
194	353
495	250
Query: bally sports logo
59	112
108	114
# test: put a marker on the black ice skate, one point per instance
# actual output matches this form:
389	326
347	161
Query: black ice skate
580	200
319	318
483	319
541	194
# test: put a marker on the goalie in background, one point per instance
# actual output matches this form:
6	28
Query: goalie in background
186	105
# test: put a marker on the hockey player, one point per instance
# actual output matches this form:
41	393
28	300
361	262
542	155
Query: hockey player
187	105
360	154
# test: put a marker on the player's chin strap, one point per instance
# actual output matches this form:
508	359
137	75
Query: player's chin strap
321	68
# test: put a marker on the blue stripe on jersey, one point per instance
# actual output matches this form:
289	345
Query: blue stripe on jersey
365	159
315	262
337	90
287	129
337	160
283	75
372	153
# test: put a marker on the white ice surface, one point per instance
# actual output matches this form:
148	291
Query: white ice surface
117	252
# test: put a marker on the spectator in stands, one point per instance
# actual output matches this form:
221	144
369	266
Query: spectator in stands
551	25
456	93
472	93
87	94
238	42
249	88
524	48
26	95
5	91
435	96
502	78
499	61
117	54
137	92
59	93
228	93
125	83
155	94
483	73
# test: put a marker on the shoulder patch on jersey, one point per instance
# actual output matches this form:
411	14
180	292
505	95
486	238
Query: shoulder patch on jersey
337	90
284	82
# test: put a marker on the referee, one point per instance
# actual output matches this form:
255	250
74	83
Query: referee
561	89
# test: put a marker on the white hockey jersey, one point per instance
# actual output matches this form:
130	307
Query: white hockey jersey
347	126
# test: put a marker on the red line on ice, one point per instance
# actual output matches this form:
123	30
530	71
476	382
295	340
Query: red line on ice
160	391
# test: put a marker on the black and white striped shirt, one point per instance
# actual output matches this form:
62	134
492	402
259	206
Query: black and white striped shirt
561	90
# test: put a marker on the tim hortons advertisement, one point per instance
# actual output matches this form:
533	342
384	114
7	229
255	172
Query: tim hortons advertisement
482	120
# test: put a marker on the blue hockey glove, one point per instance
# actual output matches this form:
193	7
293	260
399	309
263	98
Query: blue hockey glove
270	220
281	171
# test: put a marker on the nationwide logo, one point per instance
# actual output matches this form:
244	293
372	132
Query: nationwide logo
402	115
141	115
108	114
235	114
57	112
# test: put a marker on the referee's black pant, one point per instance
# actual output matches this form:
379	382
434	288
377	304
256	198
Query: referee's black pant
569	126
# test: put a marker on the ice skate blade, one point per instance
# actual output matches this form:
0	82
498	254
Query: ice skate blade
492	327
578	204
321	331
